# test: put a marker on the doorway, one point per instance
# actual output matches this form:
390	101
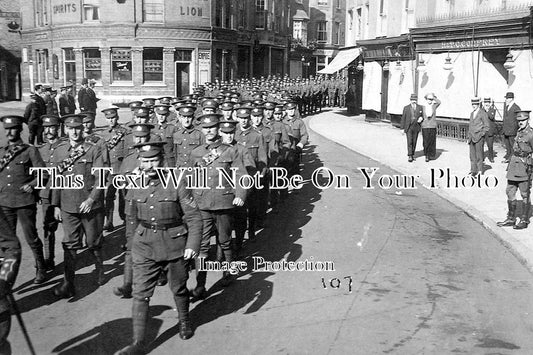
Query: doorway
183	78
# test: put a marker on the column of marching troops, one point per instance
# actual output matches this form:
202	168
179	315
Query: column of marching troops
250	125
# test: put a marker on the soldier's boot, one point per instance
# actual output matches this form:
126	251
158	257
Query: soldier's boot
99	266
5	327
108	225
49	249
124	291
201	278
510	220
40	266
67	289
227	278
163	278
184	324
140	318
524	218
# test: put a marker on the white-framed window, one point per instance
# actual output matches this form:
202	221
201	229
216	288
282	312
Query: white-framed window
336	32
91	10
322	2
321	62
69	66
321	31
41	12
92	63
153	65
260	14
121	65
154	11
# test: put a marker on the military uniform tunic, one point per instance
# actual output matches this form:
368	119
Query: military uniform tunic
169	222
166	131
521	158
185	140
75	224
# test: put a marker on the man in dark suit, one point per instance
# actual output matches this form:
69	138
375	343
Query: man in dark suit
477	128
510	125
412	116
86	97
488	106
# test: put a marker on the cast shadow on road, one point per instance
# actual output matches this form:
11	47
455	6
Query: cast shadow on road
36	296
99	341
251	290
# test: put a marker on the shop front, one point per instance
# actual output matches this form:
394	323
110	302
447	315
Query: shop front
483	59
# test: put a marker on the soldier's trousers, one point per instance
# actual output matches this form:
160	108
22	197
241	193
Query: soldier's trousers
110	195
75	225
146	274
27	216
36	133
50	227
219	223
5	326
513	186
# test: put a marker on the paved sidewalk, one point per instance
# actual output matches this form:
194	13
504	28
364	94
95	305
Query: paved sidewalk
387	144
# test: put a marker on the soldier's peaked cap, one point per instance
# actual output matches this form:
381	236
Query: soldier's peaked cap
522	115
150	149
12	121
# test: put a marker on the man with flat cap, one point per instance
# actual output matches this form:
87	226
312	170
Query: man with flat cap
79	209
519	174
18	197
510	125
489	108
51	134
167	236
187	137
67	103
216	204
32	117
114	137
478	126
165	131
412	116
130	166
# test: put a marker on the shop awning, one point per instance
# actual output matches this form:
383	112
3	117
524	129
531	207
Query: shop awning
341	60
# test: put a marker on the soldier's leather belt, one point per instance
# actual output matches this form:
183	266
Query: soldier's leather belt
521	155
159	226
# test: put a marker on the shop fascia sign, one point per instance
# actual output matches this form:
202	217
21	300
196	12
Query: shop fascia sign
486	42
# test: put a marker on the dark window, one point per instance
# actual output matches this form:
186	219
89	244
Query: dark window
153	64
183	55
322	35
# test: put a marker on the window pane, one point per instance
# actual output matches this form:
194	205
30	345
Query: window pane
121	64
92	63
183	55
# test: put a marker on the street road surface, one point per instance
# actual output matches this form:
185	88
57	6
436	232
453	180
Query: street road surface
413	275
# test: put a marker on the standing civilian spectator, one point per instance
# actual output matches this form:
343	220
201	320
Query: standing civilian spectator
429	126
488	106
510	125
86	96
478	126
412	117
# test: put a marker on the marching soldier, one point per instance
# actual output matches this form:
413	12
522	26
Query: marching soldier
141	134
187	137
519	173
216	204
165	131
114	138
255	143
18	199
298	136
51	133
10	253
278	149
79	209
262	194
168	236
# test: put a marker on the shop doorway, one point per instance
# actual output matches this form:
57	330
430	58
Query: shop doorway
183	78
